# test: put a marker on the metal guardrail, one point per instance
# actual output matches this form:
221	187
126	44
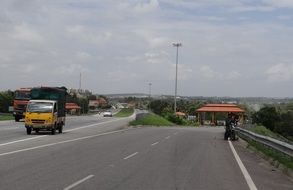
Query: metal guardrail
283	147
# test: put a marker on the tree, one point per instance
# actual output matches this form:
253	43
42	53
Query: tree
267	116
285	125
157	106
6	100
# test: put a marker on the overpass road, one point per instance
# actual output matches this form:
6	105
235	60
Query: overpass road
100	153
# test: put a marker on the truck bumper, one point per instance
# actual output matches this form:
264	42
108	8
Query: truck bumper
39	126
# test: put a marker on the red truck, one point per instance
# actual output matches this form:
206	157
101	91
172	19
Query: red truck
21	98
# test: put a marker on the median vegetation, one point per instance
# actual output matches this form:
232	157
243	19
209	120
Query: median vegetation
275	156
5	116
152	120
125	112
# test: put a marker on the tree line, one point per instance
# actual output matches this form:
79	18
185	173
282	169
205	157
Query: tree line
277	118
6	100
7	97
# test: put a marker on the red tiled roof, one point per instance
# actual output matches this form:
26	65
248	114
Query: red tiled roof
180	114
72	106
220	108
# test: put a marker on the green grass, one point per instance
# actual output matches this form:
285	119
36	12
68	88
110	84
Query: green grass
5	116
153	120
266	132
125	112
263	131
287	161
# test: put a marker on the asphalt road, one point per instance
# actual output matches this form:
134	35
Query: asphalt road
97	153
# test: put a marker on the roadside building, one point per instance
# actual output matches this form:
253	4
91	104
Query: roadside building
180	114
213	109
72	108
98	103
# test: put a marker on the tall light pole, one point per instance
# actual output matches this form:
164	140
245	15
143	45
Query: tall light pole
150	92
177	45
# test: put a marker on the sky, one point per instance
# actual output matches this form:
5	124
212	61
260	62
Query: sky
235	48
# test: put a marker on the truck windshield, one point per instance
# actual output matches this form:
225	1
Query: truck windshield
40	107
22	95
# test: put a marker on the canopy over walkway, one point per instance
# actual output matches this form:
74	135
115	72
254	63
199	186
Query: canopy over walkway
219	108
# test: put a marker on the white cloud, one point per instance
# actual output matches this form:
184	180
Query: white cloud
24	33
207	73
280	72
121	76
130	43
146	7
246	8
279	3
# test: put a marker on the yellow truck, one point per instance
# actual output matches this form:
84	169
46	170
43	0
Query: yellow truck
46	110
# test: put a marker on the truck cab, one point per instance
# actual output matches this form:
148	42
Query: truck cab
21	98
43	115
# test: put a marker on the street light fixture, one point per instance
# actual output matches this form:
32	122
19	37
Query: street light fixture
177	45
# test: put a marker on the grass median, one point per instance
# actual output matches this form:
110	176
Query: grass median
4	117
152	120
125	112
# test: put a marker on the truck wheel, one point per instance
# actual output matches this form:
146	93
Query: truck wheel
226	136
28	131
53	131
60	130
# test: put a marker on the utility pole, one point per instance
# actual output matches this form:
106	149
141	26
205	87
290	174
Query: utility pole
80	81
150	93
177	45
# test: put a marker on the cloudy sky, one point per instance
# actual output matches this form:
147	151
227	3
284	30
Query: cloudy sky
230	47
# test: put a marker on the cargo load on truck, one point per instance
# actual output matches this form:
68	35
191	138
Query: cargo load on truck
46	109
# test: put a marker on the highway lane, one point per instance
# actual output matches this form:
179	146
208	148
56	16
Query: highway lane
140	158
14	131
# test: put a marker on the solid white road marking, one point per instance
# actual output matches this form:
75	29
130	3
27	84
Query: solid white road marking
87	126
154	143
78	182
131	155
92	125
167	137
62	142
247	177
175	133
21	140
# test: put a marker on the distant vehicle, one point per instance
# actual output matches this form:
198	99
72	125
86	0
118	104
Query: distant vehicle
107	113
21	98
46	110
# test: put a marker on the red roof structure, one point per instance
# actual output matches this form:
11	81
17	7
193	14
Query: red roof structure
220	108
72	106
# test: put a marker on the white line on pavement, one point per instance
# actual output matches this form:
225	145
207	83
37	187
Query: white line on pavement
131	155
154	143
247	177
62	142
78	182
175	133
92	125
87	126
167	137
21	140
